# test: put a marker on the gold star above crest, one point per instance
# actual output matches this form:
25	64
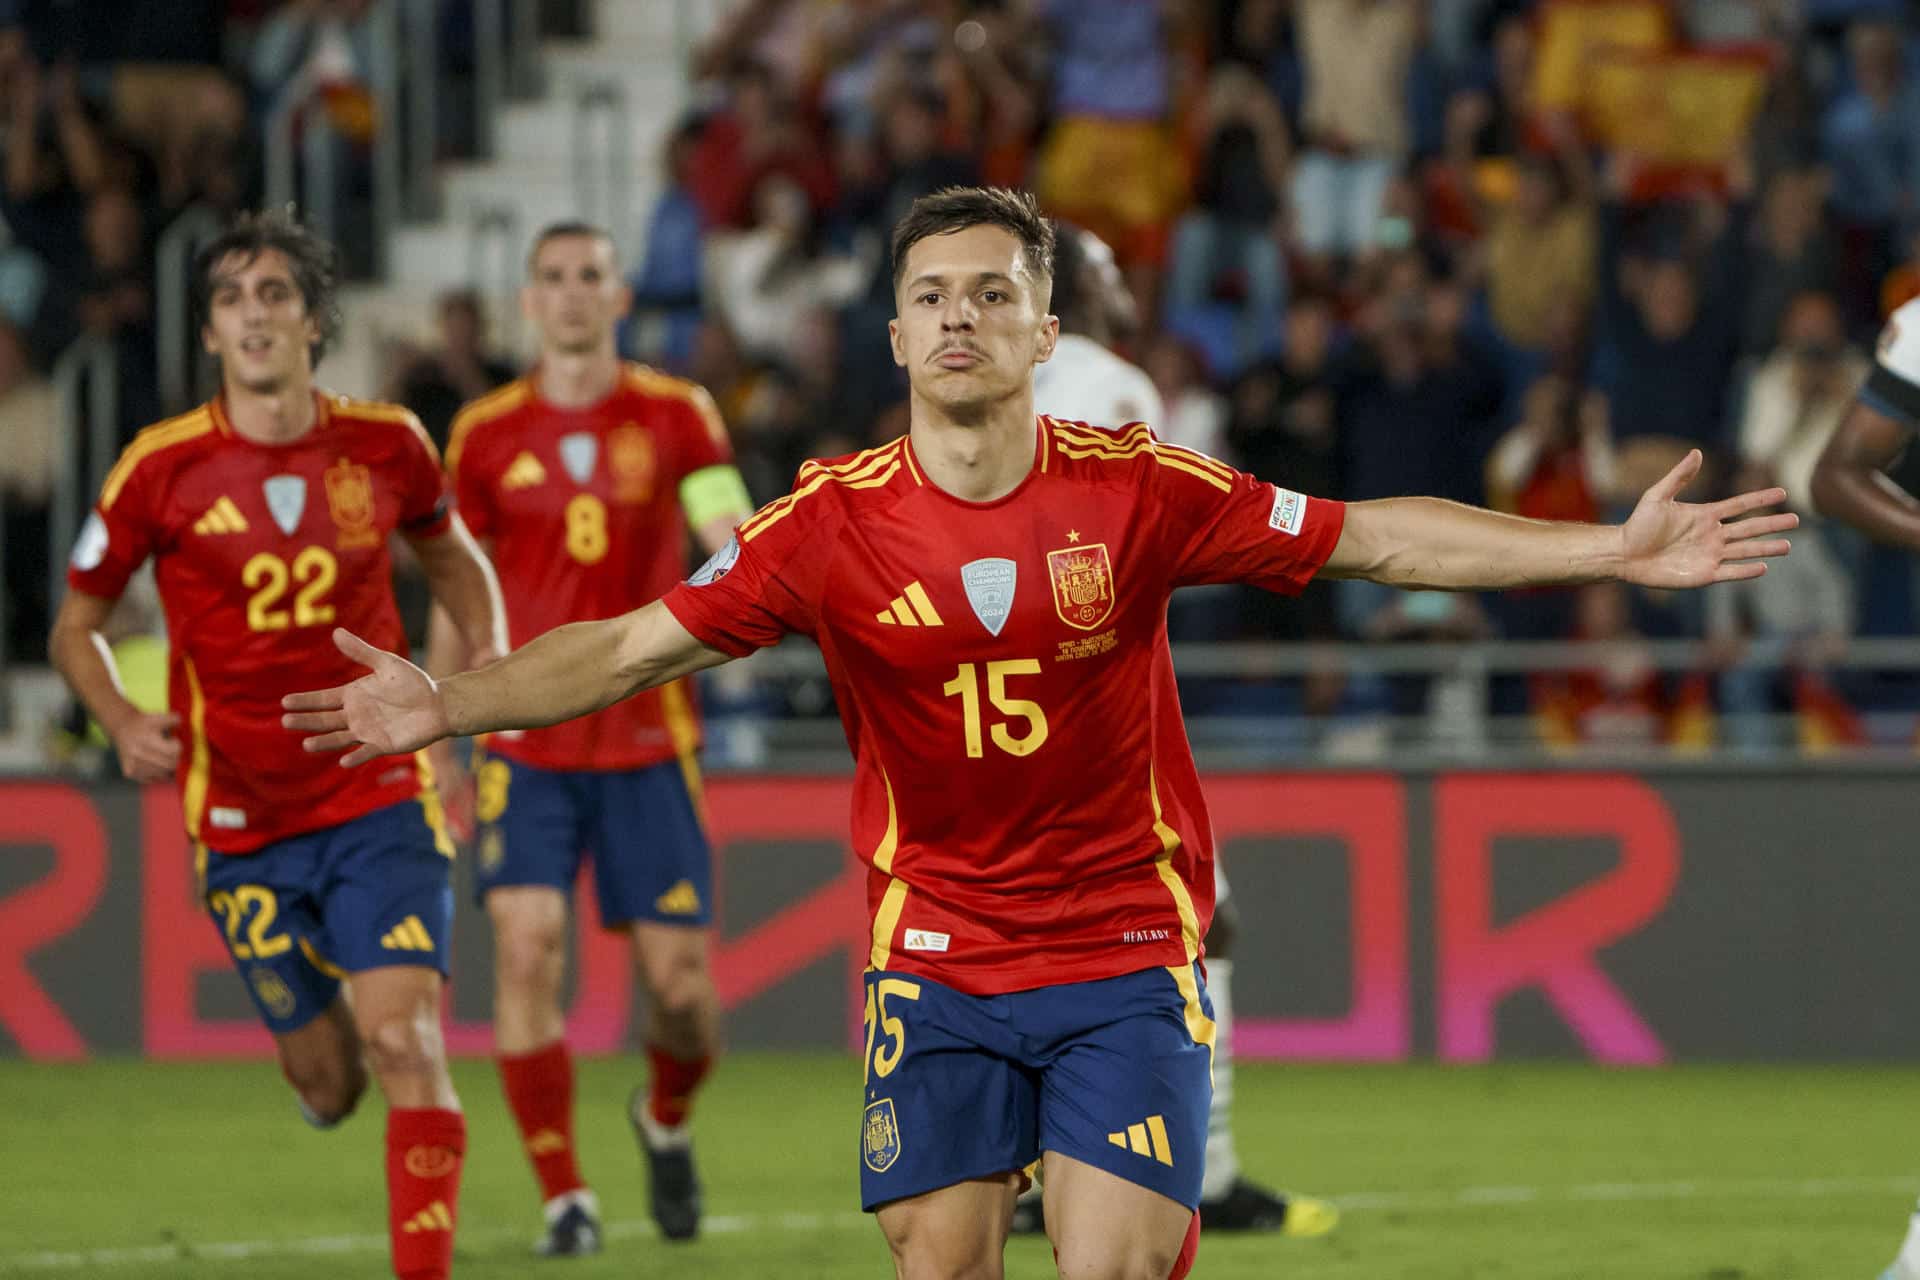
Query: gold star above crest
1073	535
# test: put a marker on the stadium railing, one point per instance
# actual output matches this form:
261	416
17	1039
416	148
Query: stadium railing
86	382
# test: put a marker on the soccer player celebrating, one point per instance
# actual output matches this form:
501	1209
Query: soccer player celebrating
267	514
1086	381
580	479
990	593
1850	483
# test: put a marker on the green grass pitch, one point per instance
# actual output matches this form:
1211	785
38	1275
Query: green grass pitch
120	1170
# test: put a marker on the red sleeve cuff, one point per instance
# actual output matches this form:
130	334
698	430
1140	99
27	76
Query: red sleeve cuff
693	614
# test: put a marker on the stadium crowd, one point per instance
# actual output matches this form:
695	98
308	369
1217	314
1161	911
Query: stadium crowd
1379	247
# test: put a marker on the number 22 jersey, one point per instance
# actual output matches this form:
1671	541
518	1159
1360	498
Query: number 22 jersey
1024	795
260	551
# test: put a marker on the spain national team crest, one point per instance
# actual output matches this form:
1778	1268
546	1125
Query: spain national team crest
880	1136
350	503
630	460
286	501
1082	579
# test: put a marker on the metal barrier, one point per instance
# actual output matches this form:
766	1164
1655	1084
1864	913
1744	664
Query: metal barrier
384	78
86	380
493	262
421	21
183	370
603	184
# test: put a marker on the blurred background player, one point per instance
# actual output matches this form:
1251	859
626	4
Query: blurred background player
1851	483
582	478
1086	381
267	513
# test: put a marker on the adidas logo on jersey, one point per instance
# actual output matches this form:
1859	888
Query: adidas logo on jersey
911	608
681	900
1148	1138
221	517
435	1217
524	472
408	935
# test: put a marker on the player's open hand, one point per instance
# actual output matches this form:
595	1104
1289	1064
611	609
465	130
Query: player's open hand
148	745
394	708
1669	543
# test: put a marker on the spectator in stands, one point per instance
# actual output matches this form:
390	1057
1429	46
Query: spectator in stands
435	381
29	437
1540	246
990	82
1870	139
1792	252
56	157
668	281
324	46
761	131
1356	55
1282	425
1110	162
1668	330
1556	463
1802	615
1228	243
761	283
1193	415
1623	703
916	159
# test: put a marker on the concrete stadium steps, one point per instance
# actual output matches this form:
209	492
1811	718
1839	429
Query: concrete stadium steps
642	46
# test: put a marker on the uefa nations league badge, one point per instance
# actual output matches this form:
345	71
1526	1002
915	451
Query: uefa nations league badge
989	586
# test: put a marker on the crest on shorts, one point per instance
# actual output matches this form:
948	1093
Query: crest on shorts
630	460
274	994
990	584
350	503
578	452
1082	579
286	501
880	1136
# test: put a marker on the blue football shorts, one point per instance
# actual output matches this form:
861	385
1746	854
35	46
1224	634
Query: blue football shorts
641	827
1116	1073
302	913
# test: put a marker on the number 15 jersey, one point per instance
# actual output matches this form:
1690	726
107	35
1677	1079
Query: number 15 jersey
1024	795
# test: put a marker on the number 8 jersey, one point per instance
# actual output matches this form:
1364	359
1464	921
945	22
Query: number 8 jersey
1024	796
260	551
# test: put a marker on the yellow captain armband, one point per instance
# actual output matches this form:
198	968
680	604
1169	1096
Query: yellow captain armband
712	492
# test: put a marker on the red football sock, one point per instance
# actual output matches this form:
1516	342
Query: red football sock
425	1146
539	1087
670	1098
1189	1251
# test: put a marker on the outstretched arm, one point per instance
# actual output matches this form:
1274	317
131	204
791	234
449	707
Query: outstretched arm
567	672
1430	543
1850	481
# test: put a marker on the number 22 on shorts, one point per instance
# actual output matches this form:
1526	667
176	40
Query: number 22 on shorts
894	1047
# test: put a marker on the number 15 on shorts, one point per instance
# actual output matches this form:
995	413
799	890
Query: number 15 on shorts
882	1060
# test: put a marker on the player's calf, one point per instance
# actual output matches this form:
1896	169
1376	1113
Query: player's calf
322	1061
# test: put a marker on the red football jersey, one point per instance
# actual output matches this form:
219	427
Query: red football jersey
1024	795
583	510
260	551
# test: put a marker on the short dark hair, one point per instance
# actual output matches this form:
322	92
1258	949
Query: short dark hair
315	264
566	229
957	208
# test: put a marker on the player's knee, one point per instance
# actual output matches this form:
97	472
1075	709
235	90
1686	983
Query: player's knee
1116	1256
405	1045
923	1252
526	956
679	983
